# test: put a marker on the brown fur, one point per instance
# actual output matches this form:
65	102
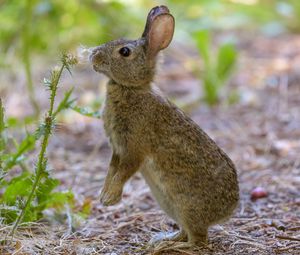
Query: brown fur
192	179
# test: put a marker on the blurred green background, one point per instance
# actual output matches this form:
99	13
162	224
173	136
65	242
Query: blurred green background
47	27
33	33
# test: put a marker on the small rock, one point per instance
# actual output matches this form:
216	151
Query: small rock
258	192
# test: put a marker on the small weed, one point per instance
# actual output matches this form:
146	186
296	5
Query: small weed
216	69
27	194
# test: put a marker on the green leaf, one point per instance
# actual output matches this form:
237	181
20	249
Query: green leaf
8	213
12	122
19	186
86	208
57	200
44	191
203	42
26	145
86	112
226	61
65	103
211	95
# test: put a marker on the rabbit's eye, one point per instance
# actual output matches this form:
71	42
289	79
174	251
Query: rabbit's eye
125	51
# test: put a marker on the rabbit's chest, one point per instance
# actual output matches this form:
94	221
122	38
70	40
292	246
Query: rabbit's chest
115	128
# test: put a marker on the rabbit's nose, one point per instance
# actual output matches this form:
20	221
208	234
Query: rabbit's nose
96	56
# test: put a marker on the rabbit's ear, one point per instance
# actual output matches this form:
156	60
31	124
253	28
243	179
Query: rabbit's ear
159	29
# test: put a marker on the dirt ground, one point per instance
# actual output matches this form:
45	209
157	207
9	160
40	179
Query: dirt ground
261	133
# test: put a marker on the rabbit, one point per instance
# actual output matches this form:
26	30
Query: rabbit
192	179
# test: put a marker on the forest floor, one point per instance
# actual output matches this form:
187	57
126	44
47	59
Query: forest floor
261	134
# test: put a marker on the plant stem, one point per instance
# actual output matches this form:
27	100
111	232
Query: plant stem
54	89
2	143
26	56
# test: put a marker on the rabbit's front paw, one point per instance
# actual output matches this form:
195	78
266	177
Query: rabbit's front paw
110	196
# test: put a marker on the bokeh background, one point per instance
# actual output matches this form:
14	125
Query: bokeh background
34	33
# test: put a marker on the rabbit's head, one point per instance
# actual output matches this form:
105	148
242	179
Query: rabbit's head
132	62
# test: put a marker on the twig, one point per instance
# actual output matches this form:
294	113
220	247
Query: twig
18	250
294	228
288	238
69	221
288	247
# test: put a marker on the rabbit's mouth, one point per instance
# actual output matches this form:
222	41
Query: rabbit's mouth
99	69
98	61
92	57
93	52
97	57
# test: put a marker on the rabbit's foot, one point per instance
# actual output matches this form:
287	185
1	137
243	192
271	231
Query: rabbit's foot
169	236
169	245
110	196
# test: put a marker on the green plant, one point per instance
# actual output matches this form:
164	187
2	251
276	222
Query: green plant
2	139
27	194
26	53
216	69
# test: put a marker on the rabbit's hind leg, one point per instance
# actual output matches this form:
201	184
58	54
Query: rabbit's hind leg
197	237
195	240
195	225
